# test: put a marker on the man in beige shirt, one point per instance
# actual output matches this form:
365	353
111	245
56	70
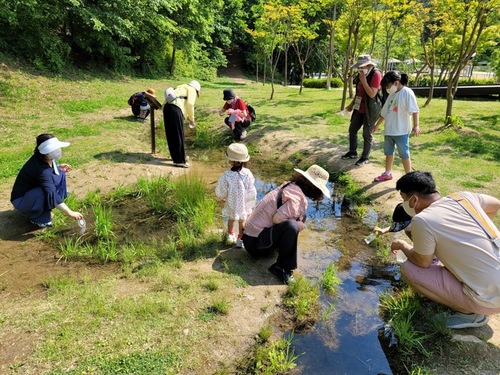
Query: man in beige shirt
442	227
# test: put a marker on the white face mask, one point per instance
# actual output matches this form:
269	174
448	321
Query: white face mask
392	89
55	155
410	211
366	70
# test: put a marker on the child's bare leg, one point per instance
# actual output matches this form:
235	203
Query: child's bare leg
407	165
241	226
230	226
389	159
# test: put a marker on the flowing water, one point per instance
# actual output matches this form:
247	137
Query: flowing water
345	338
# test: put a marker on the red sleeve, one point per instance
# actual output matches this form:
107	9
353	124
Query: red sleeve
376	80
240	104
226	106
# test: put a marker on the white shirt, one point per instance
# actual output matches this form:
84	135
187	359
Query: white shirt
236	188
397	112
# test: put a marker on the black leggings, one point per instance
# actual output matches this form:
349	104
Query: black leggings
283	236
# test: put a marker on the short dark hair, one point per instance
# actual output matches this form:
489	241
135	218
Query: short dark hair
416	182
392	76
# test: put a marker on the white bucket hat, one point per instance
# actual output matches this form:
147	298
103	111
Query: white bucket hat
196	85
50	145
237	152
318	177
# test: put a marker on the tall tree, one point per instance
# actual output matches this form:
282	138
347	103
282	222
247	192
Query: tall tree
470	19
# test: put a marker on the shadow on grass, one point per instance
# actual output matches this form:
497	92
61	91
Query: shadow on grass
15	226
131	157
254	271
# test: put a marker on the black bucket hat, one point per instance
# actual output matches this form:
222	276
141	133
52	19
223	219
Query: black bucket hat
228	94
400	219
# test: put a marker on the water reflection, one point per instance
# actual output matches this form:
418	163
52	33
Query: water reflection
345	342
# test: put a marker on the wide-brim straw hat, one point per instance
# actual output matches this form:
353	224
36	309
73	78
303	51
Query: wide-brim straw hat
237	152
363	60
318	177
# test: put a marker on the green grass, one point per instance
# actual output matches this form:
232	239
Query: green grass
76	325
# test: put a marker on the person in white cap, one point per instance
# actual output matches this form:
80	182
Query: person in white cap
236	188
174	114
279	217
40	185
368	84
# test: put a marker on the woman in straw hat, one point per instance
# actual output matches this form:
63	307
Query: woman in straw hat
236	188
277	220
40	186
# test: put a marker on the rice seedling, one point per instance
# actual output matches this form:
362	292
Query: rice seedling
276	358
330	279
302	297
103	221
265	333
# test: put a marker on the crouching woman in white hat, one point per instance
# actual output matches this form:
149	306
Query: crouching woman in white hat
279	217
40	185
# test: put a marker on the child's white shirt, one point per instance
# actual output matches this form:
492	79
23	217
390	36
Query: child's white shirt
233	187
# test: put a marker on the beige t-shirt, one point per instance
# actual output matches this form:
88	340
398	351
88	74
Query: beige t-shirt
447	230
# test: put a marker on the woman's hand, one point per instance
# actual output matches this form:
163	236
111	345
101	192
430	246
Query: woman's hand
65	167
75	215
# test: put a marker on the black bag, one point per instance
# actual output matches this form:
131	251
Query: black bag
251	111
374	105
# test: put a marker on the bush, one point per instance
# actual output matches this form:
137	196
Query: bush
426	81
321	83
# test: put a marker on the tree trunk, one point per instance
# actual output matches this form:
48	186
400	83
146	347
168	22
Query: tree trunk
330	51
286	66
172	62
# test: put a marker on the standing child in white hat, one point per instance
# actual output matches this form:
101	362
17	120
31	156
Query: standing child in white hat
236	188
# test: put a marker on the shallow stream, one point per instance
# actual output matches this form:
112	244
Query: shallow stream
345	338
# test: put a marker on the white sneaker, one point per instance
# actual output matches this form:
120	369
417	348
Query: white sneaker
243	134
231	239
239	244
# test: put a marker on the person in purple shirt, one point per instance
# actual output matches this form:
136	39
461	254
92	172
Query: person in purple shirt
40	185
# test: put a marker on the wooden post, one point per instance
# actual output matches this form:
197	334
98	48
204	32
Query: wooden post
153	140
154	104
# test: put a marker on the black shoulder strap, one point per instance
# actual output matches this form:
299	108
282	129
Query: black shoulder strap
279	200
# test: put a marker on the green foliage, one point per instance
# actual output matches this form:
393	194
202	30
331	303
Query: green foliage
302	297
275	358
321	83
330	279
426	81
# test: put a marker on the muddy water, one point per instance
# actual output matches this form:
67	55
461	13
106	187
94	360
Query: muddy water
345	339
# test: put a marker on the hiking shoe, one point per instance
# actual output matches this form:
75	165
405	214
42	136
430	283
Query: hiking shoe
362	161
239	243
383	177
349	155
181	165
283	275
231	239
461	320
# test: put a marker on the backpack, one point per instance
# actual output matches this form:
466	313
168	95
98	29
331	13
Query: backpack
374	105
170	95
251	111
